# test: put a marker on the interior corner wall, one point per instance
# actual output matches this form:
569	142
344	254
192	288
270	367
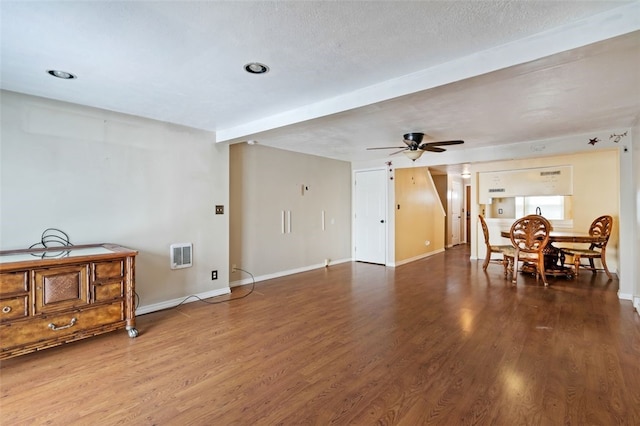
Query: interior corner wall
419	219
277	204
442	186
105	177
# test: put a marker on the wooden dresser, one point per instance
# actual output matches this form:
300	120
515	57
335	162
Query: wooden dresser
52	296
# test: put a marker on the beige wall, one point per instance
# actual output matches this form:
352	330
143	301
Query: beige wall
107	177
264	182
420	217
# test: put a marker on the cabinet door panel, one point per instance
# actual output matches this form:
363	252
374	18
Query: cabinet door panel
61	288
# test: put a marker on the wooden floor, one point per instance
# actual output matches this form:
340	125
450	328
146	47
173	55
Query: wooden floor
437	341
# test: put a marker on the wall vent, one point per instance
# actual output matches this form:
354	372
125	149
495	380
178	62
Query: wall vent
181	255
496	189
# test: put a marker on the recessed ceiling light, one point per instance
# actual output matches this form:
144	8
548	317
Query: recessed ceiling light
256	68
61	74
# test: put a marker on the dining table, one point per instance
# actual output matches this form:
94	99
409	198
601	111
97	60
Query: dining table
553	255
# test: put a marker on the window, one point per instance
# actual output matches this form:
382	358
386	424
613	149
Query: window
552	207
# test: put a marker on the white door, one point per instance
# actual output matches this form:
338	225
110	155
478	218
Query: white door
370	218
456	211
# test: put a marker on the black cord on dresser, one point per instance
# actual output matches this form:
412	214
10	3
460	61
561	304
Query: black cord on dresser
53	237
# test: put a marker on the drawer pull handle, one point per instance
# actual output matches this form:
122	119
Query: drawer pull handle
62	327
6	309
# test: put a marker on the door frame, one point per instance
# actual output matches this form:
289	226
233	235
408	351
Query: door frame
467	213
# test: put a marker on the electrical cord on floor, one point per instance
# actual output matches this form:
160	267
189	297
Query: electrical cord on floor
253	286
137	296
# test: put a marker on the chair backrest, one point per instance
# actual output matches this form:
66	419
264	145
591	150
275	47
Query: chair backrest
530	233
485	230
601	227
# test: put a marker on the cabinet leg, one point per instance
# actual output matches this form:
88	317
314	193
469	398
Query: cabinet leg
133	332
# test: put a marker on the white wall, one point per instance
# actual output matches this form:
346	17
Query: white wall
628	220
107	177
633	269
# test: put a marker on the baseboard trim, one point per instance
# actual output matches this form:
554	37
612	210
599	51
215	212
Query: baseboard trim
248	280
422	256
141	310
625	296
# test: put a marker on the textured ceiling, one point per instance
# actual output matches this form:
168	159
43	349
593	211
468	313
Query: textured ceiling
344	75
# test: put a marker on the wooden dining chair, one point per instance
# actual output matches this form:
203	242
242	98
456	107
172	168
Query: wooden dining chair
529	236
491	248
600	227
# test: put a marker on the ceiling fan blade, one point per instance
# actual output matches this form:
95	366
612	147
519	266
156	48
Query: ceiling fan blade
388	147
414	142
456	142
430	148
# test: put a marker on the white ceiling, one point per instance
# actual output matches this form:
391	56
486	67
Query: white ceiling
344	75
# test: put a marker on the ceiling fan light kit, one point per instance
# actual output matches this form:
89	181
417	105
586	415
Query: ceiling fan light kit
413	155
414	146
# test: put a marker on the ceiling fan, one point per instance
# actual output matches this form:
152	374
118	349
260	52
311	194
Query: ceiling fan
415	147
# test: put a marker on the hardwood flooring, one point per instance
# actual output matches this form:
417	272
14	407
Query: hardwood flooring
437	341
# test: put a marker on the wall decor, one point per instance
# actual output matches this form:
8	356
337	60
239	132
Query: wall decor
616	138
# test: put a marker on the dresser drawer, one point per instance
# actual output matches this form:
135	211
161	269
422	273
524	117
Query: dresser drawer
62	327
13	308
108	291
108	270
14	282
